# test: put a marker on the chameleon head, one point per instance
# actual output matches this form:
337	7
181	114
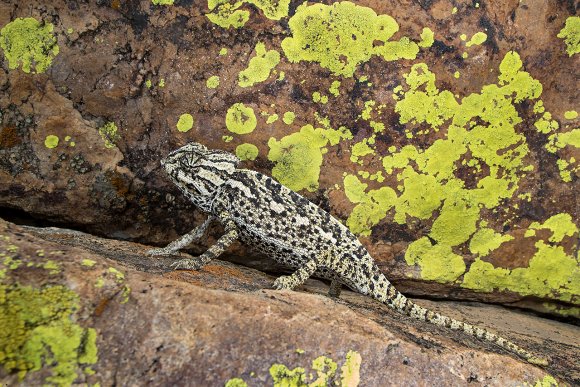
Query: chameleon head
198	171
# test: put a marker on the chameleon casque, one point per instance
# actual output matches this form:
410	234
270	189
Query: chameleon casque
280	223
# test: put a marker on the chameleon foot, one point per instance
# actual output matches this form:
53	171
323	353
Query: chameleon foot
187	264
284	282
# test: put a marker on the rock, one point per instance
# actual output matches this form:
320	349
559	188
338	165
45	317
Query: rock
136	323
444	134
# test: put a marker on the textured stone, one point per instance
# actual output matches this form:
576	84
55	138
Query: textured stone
371	140
223	322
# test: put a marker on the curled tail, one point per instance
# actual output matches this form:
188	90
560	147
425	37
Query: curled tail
386	293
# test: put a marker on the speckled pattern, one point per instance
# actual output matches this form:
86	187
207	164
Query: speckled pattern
279	222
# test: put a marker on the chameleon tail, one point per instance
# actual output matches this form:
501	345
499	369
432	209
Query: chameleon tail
387	294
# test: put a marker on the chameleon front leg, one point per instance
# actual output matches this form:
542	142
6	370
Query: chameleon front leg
215	250
193	236
301	275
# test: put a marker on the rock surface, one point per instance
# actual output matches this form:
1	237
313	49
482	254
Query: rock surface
224	322
448	140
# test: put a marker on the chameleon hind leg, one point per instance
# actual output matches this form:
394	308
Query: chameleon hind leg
230	236
193	236
301	274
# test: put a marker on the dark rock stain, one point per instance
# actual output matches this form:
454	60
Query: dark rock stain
490	30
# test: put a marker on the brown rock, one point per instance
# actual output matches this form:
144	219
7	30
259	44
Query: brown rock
206	327
141	66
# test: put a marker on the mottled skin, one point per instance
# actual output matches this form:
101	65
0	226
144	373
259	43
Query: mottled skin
285	226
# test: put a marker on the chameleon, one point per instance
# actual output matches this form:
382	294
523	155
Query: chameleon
280	223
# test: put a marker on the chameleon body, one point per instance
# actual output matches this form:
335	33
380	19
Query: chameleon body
277	221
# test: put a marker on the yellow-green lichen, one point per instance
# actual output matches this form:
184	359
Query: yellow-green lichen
455	223
480	130
260	66
212	82
298	156
325	369
427	38
366	112
236	382
546	124
361	149
477	39
39	331
227	138
52	266
109	134
185	122
51	141
343	35
119	276
557	141
99	283
11	263
162	2
351	370
241	119
148	83
317	97
371	206
377	126
223	51
29	43
226	13
550	272
247	151
272	118
565	170
561	225
88	262
571	35
570	114
437	262
285	377
334	88
273	9
561	140
288	118
547	381
486	240
161	83
125	293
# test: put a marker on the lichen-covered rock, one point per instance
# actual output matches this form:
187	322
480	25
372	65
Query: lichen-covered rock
89	310
444	134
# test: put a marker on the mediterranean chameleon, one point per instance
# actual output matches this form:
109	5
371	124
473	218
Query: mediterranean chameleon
280	223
